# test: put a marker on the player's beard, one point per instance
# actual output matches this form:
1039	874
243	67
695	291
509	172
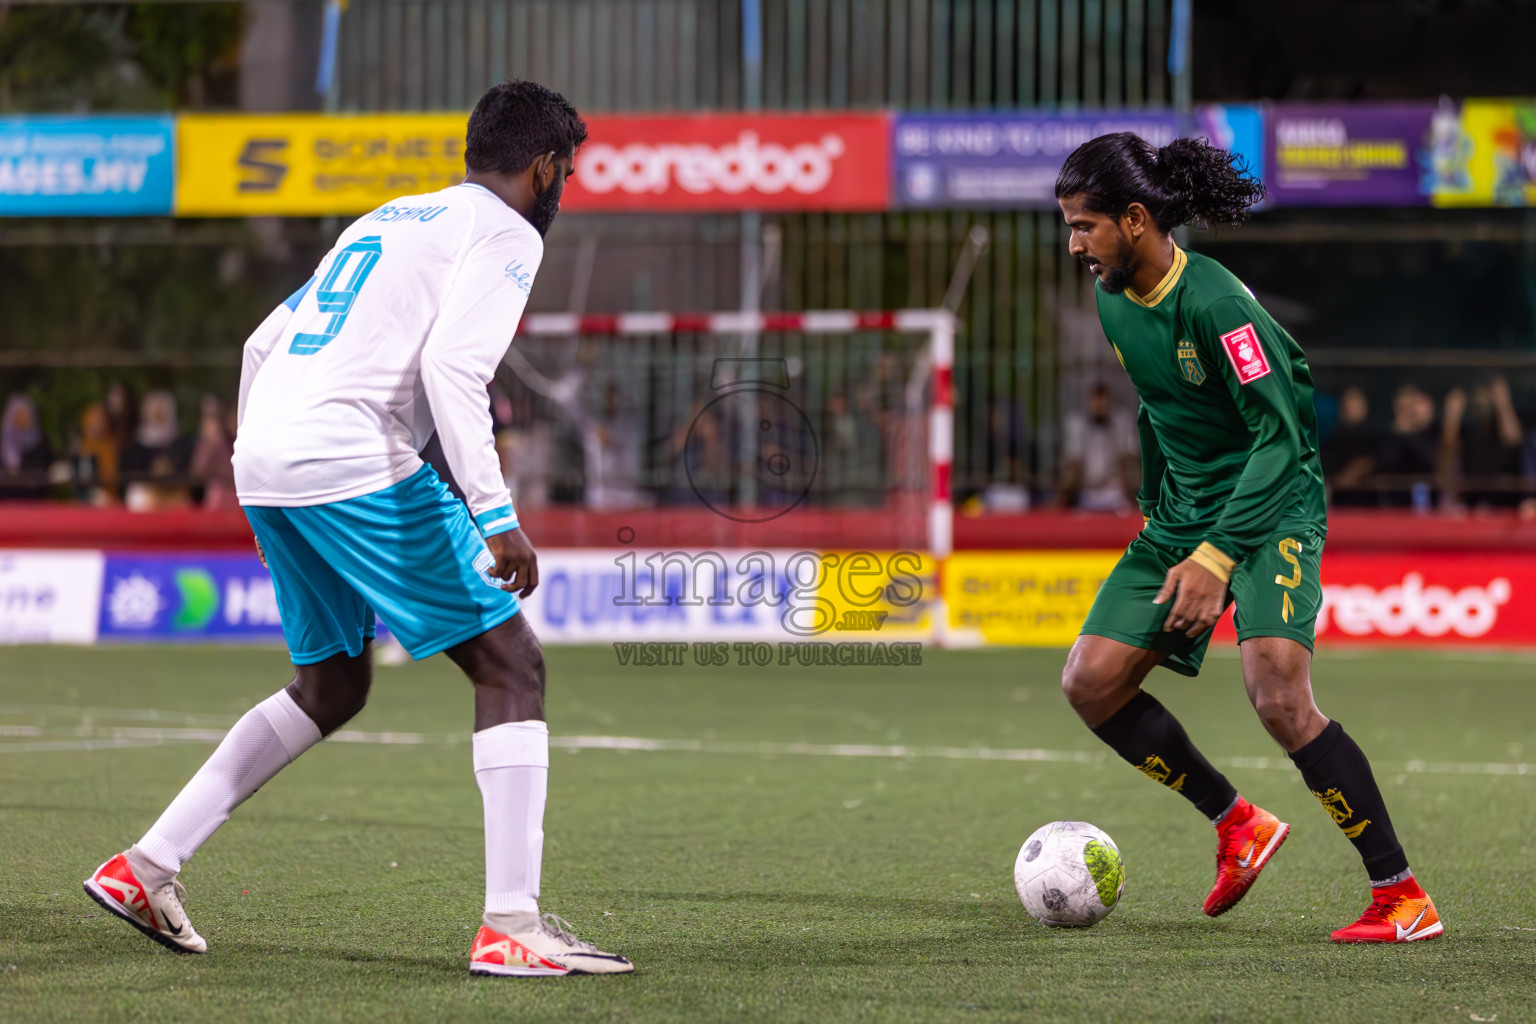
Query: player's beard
1117	277
546	206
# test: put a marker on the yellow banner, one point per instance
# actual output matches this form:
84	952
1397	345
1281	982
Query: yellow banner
1024	598
1489	159
883	595
312	164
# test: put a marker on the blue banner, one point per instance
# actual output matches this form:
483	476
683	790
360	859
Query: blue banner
177	596
1237	127
101	166
1003	160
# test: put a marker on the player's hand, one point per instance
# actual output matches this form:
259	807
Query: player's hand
1198	596
516	561
261	555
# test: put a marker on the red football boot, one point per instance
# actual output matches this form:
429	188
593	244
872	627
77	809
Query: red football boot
1398	913
1246	838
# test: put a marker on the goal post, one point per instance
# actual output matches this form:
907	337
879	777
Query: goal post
635	393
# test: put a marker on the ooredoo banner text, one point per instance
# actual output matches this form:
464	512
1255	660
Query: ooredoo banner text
733	162
313	164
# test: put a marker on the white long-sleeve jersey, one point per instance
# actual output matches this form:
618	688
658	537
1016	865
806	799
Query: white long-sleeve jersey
400	331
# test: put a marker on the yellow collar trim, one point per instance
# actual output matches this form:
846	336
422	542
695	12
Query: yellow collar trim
1164	286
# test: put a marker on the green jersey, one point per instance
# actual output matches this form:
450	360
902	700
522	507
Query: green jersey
1228	432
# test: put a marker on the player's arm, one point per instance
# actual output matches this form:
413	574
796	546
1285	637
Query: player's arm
458	362
1154	464
1267	404
1266	400
263	340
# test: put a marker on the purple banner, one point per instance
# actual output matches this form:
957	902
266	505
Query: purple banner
1003	160
1355	154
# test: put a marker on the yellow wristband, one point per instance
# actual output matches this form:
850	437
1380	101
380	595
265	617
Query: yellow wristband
1213	560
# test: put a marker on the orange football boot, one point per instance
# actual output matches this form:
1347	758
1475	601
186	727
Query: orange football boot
1246	838
1398	913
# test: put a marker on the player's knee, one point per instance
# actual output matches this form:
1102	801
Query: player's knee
1084	683
1286	711
517	667
333	691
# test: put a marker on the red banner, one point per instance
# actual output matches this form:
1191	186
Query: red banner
1425	599
733	162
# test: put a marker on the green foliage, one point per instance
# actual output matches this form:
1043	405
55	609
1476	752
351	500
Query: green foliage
90	57
179	44
749	887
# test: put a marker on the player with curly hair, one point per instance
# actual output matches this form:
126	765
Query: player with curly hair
1232	493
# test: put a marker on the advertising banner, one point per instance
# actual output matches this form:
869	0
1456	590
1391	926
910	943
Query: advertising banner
1024	598
1003	160
1429	598
1487	156
1040	598
313	164
733	162
62	166
1237	128
181	597
49	597
775	596
1348	154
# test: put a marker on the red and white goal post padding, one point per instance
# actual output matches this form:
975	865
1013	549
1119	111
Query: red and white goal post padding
938	325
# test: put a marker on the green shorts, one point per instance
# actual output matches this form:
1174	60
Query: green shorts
1277	592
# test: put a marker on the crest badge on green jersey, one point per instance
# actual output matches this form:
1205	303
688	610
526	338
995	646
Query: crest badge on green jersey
1189	363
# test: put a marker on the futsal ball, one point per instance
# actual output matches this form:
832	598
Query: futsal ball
1069	874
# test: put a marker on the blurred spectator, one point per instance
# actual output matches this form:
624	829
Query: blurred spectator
122	417
1481	441
155	465
523	441
1099	457
24	451
699	452
1410	453
212	465
97	451
614	444
851	459
1351	451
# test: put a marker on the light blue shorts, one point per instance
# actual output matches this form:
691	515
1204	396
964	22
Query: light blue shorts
409	552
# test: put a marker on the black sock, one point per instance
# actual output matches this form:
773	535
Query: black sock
1336	771
1152	740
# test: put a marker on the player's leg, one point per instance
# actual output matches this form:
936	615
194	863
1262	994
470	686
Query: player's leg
327	626
413	551
1122	641
1102	682
1278	595
511	752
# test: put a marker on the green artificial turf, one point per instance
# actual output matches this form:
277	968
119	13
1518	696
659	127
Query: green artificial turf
753	879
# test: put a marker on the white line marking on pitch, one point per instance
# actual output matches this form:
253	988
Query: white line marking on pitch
85	737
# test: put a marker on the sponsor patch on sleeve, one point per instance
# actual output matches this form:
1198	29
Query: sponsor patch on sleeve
1247	355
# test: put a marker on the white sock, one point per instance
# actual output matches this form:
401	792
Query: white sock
512	769
265	740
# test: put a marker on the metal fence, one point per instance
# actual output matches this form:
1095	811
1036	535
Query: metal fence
627	55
